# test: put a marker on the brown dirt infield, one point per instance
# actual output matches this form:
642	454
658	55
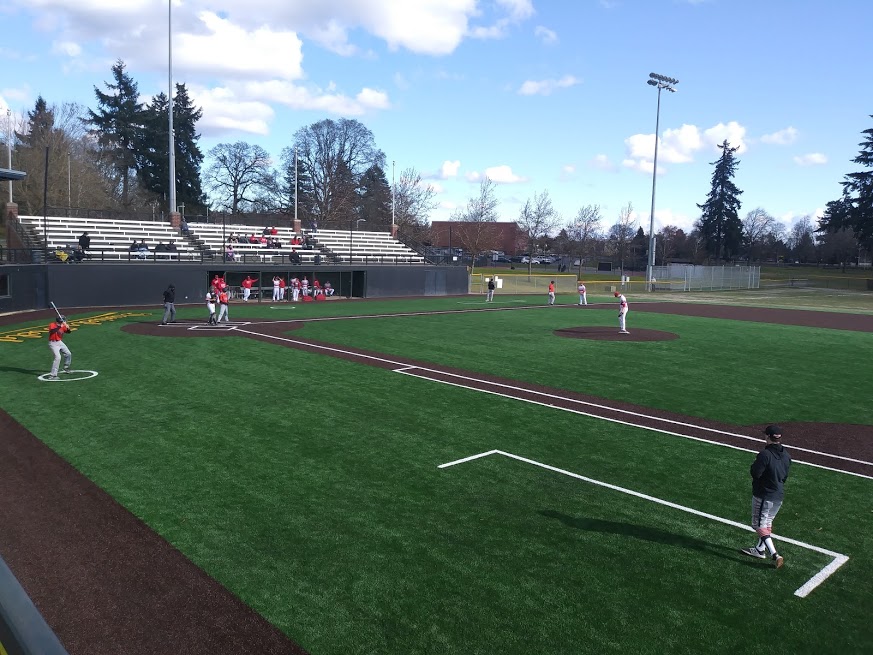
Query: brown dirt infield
106	583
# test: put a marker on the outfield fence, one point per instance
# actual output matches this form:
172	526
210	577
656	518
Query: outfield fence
844	283
518	284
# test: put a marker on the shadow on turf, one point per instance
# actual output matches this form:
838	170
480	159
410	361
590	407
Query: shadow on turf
15	369
648	534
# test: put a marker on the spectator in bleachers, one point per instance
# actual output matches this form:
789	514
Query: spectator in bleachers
263	241
142	249
133	246
274	231
183	226
314	228
160	247
78	254
85	243
229	254
328	289
295	258
267	231
171	247
253	239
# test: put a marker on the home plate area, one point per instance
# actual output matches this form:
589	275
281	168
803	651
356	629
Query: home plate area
612	334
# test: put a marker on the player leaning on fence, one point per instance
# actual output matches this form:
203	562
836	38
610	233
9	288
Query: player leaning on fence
769	473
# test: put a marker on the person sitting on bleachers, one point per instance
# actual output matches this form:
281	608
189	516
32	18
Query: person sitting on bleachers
328	289
274	231
171	247
253	239
142	250
267	231
160	247
133	246
229	254
295	258
183	227
263	241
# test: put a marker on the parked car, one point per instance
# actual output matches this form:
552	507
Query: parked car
529	260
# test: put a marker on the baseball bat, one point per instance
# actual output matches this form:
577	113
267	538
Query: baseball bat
57	311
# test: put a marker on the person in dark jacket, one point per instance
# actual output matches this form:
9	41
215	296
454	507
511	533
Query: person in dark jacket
769	473
169	305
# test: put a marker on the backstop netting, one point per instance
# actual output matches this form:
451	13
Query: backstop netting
688	277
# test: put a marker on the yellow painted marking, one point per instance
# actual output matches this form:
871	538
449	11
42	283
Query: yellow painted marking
19	335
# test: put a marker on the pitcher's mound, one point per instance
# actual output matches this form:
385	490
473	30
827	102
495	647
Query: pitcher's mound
612	334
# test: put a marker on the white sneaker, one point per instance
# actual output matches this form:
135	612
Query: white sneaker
754	552
51	377
623	332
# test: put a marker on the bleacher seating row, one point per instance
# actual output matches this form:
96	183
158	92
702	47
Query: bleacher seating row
111	240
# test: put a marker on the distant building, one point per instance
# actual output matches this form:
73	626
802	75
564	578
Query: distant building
506	237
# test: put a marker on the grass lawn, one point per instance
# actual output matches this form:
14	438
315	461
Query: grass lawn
309	486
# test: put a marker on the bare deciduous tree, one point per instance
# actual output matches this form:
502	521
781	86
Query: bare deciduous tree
757	225
476	230
413	203
537	220
584	231
239	176
622	232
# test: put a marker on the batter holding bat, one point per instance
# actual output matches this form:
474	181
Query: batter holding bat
57	329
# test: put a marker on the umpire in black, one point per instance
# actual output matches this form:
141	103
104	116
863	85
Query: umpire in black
169	305
769	473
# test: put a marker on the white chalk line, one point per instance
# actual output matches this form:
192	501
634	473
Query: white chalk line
647	416
404	368
619	421
803	591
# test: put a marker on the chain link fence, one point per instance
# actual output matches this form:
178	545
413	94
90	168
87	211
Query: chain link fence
688	277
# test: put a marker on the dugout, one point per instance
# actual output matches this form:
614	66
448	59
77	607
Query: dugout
111	284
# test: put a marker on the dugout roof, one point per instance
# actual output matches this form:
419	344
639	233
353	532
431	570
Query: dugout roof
9	174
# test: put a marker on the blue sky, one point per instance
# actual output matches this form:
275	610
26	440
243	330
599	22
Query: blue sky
538	95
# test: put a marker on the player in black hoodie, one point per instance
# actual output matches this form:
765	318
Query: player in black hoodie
769	473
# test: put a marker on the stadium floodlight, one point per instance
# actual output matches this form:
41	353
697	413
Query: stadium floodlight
665	83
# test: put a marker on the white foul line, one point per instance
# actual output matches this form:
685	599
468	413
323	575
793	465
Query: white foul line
803	591
404	368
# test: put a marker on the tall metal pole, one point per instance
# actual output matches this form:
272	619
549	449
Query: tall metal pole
69	182
667	83
9	146
296	189
651	266
45	186
170	108
393	222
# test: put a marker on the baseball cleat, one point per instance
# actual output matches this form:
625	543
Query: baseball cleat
623	332
51	377
754	552
778	560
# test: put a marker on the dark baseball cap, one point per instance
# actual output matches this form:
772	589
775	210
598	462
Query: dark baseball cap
773	431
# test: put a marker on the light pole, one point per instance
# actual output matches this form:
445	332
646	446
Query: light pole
393	222
296	189
9	146
351	234
69	182
665	83
170	107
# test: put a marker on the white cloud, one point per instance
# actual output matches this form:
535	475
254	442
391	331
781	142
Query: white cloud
516	10
373	99
568	169
503	175
733	132
811	159
299	97
782	137
229	50
602	162
224	112
473	176
449	169
67	48
546	87
544	34
436	186
18	94
678	146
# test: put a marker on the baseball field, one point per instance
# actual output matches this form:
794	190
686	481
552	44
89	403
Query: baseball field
442	475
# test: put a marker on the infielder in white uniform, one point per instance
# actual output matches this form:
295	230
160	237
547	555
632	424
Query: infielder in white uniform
622	312
275	288
583	295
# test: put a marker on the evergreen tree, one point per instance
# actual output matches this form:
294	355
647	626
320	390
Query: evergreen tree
374	197
40	123
153	162
719	223
855	209
118	126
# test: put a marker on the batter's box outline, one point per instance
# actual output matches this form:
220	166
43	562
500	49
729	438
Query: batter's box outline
222	328
803	591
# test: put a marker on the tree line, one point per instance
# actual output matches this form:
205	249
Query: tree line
115	156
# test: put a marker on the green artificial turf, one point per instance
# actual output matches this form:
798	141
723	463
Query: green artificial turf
309	486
